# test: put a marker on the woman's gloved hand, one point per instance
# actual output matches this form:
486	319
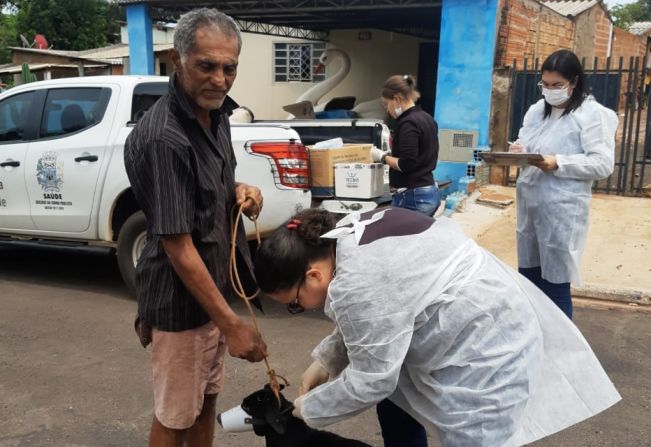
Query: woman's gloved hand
313	376
377	154
517	147
296	412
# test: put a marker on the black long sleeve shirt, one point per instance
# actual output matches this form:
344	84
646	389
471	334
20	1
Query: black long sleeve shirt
416	145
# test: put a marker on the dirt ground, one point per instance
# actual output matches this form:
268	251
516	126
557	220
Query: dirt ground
617	249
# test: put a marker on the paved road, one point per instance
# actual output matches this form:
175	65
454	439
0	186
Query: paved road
72	373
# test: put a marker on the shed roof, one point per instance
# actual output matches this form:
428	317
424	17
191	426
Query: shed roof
17	68
419	17
639	28
118	51
112	54
570	7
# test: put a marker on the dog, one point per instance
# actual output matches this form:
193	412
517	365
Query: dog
281	429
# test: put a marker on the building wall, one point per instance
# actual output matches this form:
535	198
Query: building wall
592	36
20	57
372	62
466	59
603	31
626	45
583	44
159	34
530	30
255	87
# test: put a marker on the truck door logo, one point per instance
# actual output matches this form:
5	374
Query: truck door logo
49	172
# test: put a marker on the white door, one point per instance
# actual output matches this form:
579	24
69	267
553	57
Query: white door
14	135
64	163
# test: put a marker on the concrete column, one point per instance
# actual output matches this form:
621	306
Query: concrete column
464	84
465	71
141	49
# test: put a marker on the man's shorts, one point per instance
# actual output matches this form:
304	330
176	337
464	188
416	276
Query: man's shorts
186	366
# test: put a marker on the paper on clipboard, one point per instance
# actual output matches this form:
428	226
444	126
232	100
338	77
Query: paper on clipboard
509	158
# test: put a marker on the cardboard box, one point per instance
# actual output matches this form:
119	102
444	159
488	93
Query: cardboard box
359	181
322	165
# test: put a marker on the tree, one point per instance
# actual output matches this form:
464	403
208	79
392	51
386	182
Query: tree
625	15
66	24
8	36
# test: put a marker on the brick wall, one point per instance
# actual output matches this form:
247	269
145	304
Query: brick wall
20	57
592	31
603	26
626	45
529	30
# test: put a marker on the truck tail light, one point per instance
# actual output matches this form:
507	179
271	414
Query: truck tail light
289	162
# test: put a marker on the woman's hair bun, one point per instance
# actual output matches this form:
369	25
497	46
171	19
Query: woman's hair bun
314	223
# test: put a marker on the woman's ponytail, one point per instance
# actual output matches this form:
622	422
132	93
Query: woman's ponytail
401	85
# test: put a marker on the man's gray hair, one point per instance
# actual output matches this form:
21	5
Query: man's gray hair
185	33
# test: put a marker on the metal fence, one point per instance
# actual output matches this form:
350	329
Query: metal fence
619	85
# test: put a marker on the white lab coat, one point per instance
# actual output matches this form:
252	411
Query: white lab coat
454	337
553	207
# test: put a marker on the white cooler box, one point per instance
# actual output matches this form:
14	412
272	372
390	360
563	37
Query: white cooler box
359	181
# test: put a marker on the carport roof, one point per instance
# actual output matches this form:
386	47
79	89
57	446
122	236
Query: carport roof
417	17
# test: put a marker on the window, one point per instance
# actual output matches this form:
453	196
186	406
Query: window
14	113
144	96
297	61
69	110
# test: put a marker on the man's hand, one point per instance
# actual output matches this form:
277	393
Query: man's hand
244	342
313	376
548	163
252	208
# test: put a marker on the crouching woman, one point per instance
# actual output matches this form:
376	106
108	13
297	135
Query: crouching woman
432	329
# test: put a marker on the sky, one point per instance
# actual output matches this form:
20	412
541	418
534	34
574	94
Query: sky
612	3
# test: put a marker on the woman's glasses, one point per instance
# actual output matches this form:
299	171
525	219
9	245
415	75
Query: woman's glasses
542	85
294	307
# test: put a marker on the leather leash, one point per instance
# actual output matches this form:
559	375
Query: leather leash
239	288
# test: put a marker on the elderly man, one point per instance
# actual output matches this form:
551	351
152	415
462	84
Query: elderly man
181	165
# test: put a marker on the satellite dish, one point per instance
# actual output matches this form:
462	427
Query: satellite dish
41	42
25	42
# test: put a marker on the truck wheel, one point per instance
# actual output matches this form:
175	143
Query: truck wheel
131	241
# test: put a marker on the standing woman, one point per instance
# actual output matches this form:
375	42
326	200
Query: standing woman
576	136
415	148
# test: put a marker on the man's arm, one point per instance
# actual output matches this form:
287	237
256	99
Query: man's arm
242	339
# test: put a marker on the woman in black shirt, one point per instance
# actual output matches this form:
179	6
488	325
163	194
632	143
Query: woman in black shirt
415	148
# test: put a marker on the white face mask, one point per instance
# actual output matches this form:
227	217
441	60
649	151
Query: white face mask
556	97
398	111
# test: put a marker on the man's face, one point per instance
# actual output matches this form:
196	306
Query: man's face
210	69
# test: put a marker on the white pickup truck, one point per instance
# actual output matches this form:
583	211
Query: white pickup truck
62	175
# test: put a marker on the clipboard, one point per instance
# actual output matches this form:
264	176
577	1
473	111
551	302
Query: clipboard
509	158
